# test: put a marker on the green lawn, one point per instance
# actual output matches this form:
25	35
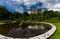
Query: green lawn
7	21
56	35
1	22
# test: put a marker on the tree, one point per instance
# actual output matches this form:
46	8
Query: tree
4	13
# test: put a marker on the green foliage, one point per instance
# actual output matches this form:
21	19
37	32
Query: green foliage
4	13
51	14
7	15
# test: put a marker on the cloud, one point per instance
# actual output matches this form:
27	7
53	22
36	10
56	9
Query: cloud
21	6
24	5
30	2
57	5
55	9
52	5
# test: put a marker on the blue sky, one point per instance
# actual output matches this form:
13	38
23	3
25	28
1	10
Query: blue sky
24	5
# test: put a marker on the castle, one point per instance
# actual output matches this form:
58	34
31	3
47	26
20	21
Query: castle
35	11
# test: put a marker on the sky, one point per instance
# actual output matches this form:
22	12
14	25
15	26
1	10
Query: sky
24	5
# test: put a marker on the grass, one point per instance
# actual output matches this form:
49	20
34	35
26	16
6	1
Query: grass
8	21
1	22
56	35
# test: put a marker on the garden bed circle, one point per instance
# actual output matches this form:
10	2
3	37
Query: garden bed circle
42	36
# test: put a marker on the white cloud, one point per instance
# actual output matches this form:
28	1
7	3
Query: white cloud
52	5
16	4
55	9
18	1
21	9
57	5
30	2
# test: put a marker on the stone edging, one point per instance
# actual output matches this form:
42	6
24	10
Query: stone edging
42	36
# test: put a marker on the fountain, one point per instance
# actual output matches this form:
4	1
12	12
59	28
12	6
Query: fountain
30	30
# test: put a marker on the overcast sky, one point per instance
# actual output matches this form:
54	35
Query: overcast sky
24	5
